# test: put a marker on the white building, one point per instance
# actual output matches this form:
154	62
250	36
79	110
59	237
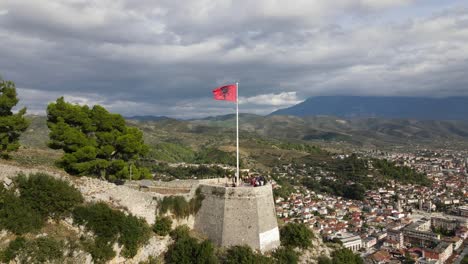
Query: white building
350	241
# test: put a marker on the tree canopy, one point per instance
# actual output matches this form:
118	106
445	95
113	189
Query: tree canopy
11	125
296	235
95	141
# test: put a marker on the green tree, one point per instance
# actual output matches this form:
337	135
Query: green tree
95	141
11	125
296	235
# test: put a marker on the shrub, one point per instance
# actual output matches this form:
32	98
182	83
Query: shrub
180	231
162	226
345	256
12	249
16	215
101	251
49	196
284	255
324	260
111	226
180	207
244	255
134	232
187	250
40	250
296	235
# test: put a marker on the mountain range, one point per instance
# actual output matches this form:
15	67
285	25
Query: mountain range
419	108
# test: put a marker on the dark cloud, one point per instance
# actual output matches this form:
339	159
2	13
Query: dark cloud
164	57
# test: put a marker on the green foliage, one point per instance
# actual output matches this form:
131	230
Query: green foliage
162	226
286	255
215	156
16	215
100	250
39	250
200	172
402	174
285	190
12	250
465	260
47	195
244	255
324	260
11	125
171	152
179	206
296	235
187	250
95	141
443	231
311	149
180	231
110	226
345	256
408	259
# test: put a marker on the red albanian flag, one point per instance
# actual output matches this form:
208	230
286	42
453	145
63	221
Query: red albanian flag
226	92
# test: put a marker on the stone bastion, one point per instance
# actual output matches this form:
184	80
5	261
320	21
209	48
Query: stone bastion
243	215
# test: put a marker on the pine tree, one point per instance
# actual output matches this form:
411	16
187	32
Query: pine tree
95	141
11	125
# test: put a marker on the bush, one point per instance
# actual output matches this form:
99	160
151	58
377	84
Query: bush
324	260
345	256
40	250
101	251
12	249
284	255
162	226
16	215
180	207
244	255
179	232
296	235
187	250
111	226
49	196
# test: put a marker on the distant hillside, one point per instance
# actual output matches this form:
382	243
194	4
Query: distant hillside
148	118
450	108
356	131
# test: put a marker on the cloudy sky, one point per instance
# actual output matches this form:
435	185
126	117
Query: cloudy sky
163	57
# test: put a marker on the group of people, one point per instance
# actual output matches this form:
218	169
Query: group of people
258	181
253	181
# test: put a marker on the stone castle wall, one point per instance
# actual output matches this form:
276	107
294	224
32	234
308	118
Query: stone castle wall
238	216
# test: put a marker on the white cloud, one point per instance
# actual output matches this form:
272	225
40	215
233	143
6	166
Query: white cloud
281	99
163	57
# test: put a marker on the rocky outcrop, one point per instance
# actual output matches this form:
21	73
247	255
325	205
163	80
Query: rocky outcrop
142	204
311	255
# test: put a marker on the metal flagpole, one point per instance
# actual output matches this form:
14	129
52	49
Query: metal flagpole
237	132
